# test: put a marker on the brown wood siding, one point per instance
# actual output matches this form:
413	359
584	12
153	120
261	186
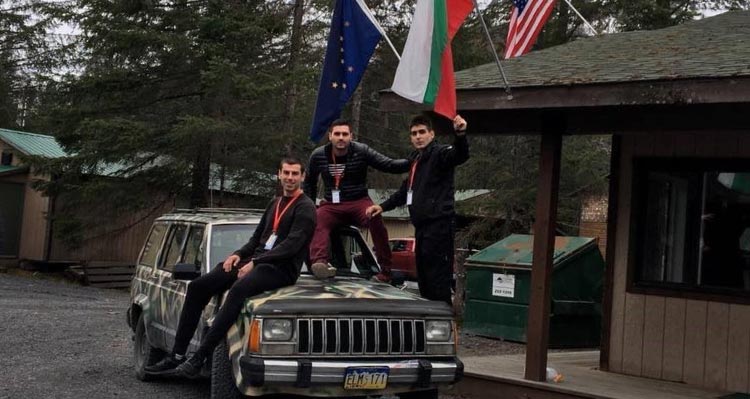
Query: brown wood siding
698	342
34	224
118	240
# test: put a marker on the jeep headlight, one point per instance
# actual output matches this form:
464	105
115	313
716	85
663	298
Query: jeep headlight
438	330
277	329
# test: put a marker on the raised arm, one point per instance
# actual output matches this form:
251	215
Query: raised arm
458	153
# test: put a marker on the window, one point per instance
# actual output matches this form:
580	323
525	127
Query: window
153	243
173	248
194	246
691	226
349	254
227	238
6	158
398	245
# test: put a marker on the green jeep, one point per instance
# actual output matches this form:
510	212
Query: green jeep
346	336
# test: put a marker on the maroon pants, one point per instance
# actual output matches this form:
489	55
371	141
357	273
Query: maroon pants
332	215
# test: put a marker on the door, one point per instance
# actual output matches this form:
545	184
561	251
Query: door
171	292
11	215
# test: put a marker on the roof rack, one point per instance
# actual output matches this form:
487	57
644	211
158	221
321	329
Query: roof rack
217	210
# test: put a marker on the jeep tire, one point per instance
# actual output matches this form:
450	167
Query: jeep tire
222	375
143	353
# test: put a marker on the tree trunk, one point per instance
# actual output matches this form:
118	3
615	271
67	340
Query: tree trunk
201	175
356	109
294	49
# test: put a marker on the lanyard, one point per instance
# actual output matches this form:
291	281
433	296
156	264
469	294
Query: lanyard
336	177
277	216
412	173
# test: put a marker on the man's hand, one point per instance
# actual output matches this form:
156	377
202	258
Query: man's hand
373	210
459	125
244	270
230	262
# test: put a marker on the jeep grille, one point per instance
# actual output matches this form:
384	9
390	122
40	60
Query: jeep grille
360	336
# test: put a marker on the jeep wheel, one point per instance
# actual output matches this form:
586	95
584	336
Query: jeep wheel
429	394
222	375
143	353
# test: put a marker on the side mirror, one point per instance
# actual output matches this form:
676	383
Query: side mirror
185	271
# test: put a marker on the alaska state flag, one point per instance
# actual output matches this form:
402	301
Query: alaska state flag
352	40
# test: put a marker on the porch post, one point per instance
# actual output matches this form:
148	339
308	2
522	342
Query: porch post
544	243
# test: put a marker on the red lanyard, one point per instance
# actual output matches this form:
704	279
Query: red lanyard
336	177
412	173
277	216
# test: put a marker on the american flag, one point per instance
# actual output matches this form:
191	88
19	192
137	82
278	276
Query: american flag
526	22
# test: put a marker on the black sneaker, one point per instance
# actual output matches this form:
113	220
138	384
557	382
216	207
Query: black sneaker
190	368
164	366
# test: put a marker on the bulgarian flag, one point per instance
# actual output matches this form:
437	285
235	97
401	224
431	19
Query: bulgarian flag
425	72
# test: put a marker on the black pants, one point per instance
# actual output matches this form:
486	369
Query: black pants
263	277
434	255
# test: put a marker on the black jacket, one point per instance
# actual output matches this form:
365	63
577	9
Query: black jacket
353	185
433	187
296	229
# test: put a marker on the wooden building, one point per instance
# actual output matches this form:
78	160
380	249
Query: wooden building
27	232
676	100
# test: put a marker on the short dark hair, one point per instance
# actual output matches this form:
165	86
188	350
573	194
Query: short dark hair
340	122
420	120
292	160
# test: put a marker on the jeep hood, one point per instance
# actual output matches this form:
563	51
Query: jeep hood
310	296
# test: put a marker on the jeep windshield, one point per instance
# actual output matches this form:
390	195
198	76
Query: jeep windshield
227	238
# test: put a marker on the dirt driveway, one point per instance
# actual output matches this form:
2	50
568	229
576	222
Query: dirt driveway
61	340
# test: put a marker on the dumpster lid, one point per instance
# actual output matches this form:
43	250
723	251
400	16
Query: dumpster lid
517	250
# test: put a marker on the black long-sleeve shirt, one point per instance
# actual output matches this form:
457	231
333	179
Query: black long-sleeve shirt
433	188
295	232
353	184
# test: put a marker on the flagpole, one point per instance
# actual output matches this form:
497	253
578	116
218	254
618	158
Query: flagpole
581	16
370	15
494	52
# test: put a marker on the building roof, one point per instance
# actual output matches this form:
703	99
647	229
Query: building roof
717	46
32	143
378	196
6	170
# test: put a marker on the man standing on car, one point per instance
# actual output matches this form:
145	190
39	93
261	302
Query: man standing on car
343	164
429	194
271	259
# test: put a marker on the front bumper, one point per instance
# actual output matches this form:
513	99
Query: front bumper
302	373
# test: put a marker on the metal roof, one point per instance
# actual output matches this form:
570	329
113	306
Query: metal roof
712	47
32	143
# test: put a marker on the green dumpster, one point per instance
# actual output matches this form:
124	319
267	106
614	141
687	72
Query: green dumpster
498	282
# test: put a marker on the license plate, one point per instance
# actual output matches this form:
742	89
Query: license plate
365	377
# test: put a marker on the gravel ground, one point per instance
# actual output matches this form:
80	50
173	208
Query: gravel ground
62	340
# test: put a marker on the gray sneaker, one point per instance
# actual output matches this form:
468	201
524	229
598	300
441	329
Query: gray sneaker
323	270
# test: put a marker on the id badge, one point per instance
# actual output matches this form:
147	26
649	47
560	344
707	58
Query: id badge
336	196
271	241
409	195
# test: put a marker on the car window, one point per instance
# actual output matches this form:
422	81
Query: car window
398	245
174	247
194	246
227	238
350	256
153	243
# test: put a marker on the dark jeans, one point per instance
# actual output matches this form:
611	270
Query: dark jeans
263	277
434	255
